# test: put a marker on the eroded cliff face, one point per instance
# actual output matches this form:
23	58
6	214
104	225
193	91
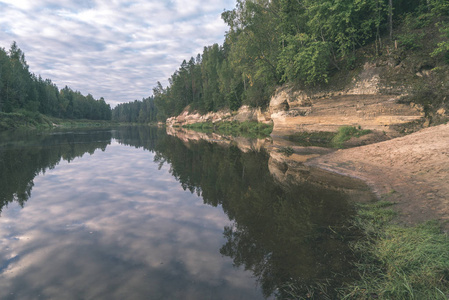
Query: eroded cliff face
245	113
366	103
361	104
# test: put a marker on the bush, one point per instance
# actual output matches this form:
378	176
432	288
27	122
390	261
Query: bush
287	151
347	132
410	41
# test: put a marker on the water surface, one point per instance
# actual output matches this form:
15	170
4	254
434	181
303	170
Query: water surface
134	213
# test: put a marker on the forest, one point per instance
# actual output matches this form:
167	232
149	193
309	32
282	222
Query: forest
21	90
269	43
300	42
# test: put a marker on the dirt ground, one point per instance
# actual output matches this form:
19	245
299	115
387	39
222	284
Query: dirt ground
411	171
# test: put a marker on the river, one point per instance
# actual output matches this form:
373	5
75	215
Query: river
134	213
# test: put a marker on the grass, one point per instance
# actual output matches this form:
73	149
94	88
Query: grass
328	139
397	262
319	138
24	119
69	123
347	132
247	129
287	151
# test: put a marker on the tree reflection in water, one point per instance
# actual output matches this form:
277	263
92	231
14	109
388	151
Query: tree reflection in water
25	154
292	236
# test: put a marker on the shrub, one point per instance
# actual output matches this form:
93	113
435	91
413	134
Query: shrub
345	133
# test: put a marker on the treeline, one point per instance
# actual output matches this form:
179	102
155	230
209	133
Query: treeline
302	42
20	90
144	111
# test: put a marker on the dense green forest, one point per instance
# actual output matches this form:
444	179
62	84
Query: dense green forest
21	90
144	111
300	42
269	43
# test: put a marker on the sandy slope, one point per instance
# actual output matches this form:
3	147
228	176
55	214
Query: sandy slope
412	171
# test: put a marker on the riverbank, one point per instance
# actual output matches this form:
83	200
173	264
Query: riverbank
35	120
410	171
25	119
396	261
403	253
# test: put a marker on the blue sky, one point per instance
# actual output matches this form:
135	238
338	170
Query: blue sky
114	49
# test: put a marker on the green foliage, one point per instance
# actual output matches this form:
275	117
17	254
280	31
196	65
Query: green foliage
304	60
23	119
409	41
439	7
287	151
288	41
345	24
428	95
143	112
446	57
21	90
320	139
413	21
399	262
347	132
443	46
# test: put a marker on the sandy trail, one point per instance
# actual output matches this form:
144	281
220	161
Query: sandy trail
412	171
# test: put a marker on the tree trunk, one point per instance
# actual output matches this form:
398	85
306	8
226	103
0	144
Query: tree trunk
390	17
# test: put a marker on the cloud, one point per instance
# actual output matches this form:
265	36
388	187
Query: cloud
112	226
112	49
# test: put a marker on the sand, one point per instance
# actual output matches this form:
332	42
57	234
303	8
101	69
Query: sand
411	171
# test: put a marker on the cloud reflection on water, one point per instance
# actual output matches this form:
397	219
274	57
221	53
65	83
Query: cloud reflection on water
111	225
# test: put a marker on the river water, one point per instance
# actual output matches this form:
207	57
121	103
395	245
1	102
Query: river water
134	213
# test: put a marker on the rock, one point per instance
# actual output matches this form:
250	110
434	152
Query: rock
441	111
361	104
245	113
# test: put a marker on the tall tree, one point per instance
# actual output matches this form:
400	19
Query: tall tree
390	18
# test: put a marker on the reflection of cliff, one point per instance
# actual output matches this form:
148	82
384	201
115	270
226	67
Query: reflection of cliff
287	171
23	155
244	144
285	231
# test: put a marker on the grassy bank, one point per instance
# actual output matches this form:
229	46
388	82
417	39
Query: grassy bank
34	120
66	123
397	262
247	129
328	139
24	119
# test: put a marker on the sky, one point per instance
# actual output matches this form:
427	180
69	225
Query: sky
114	49
113	224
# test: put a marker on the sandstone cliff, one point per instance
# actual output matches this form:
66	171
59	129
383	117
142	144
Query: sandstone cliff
245	113
361	104
366	102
